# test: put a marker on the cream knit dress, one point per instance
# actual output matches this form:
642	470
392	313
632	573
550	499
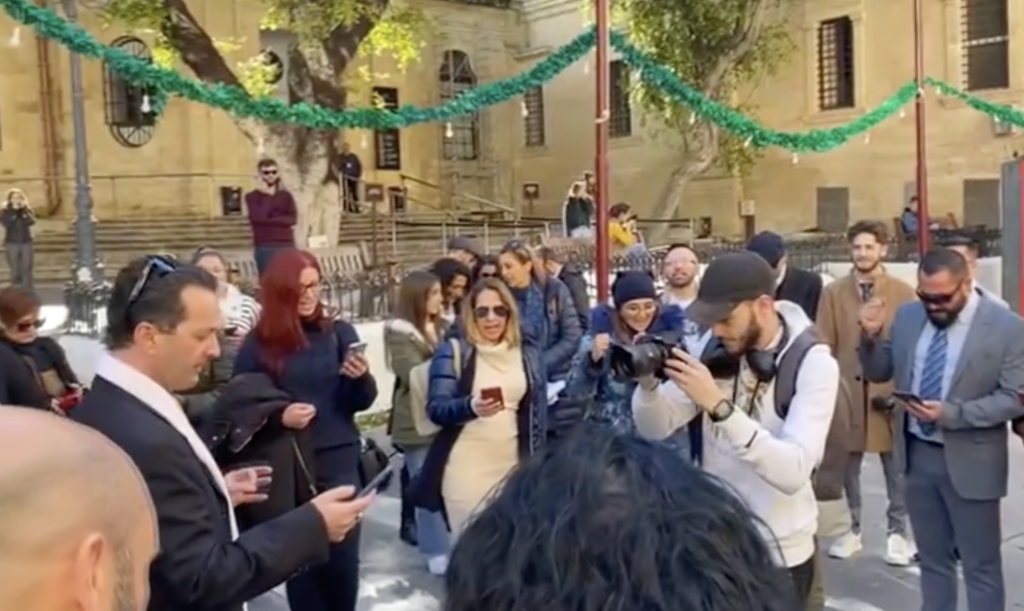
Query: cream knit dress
487	448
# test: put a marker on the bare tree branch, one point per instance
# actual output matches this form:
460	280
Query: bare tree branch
195	45
745	37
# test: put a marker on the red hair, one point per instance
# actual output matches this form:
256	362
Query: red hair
279	331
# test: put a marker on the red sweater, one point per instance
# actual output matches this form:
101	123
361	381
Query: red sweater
272	216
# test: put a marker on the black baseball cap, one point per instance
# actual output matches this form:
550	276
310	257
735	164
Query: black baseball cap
769	245
729	280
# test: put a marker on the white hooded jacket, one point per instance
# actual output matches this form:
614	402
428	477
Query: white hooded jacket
767	461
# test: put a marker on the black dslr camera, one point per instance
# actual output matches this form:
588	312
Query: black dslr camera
648	356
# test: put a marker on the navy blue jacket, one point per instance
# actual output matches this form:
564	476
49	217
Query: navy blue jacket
561	338
312	376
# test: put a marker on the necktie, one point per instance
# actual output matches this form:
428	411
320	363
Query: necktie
867	291
932	373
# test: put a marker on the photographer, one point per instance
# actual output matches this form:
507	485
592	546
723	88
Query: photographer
768	419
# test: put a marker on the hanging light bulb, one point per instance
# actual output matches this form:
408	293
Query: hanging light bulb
586	66
748	142
796	159
147	106
903	112
364	141
449	132
867	138
693	118
15	40
524	109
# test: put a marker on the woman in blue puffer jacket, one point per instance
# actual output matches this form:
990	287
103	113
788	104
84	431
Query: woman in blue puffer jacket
637	312
546	306
488	394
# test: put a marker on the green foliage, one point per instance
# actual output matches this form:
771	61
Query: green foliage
695	39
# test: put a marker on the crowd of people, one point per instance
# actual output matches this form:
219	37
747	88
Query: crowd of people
557	454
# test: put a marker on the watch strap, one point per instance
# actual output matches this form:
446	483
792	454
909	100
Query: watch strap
721	411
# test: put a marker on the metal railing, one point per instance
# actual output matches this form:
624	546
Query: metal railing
485	205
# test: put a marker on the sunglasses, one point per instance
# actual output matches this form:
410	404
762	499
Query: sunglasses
513	246
269	172
31	324
482	312
156	265
937	298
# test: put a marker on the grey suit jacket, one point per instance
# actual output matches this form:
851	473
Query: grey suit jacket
986	392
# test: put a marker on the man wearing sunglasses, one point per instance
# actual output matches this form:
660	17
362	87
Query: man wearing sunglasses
272	214
956	361
163	322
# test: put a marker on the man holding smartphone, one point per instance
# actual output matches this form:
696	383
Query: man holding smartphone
272	214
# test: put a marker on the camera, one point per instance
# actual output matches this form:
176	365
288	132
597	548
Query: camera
648	356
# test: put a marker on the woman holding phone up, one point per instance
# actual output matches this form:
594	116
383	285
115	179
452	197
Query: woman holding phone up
313	358
488	393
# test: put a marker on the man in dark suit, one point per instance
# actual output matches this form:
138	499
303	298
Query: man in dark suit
162	329
792	284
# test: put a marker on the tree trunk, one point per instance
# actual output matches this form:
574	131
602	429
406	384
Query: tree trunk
704	146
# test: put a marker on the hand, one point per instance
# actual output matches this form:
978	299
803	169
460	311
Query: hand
694	378
298	415
600	346
926	411
340	510
245	485
355	366
872	316
485	408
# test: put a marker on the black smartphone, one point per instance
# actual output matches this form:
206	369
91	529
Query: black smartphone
379	480
907	397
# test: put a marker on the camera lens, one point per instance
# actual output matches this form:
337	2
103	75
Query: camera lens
639	360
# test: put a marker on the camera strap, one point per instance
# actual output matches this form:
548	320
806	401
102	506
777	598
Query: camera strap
754	395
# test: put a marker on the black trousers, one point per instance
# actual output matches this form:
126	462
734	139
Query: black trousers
802	577
334	585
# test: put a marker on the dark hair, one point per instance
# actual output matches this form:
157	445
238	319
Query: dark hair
280	330
17	303
523	253
205	251
548	254
159	302
958	238
678	245
482	262
608	521
875	228
412	298
943	260
448	269
619	209
266	162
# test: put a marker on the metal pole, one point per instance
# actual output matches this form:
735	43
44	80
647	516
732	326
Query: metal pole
85	229
602	114
923	222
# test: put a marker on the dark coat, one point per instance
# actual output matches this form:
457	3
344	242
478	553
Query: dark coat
199	403
21	366
563	332
199	567
448	405
802	288
249	431
577	285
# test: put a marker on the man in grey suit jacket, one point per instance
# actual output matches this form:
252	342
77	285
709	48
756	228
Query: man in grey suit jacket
962	357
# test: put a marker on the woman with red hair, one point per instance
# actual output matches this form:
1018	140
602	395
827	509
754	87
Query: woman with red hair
310	357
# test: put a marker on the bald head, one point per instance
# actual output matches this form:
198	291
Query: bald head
74	508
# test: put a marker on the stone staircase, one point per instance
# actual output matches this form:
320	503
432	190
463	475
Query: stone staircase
414	241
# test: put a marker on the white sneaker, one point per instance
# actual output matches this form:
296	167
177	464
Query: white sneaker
846	546
437	565
899	551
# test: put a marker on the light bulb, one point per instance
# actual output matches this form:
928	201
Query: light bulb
796	159
867	138
15	40
586	66
364	141
146	107
748	142
449	132
903	112
525	110
693	118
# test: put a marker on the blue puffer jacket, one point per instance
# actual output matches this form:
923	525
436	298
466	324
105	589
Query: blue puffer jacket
554	323
613	396
448	400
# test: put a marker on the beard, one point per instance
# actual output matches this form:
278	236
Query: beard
942	319
866	267
747	341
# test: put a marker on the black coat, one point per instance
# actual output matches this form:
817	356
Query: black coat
577	285
199	567
19	381
248	431
802	288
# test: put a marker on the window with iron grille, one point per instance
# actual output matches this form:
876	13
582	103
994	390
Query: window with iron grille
387	142
835	64
985	40
533	121
128	108
620	121
462	135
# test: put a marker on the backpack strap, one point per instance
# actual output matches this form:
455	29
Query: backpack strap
789	367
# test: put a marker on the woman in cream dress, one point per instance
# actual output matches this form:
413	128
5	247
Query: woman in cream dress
491	410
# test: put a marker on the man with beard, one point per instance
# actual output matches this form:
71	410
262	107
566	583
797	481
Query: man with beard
791	283
79	530
764	442
272	214
957	362
679	270
873	422
968	249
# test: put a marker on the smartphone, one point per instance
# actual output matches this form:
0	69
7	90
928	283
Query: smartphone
907	397
358	348
493	394
378	481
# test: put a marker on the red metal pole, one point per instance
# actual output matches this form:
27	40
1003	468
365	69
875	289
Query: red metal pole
923	218
602	114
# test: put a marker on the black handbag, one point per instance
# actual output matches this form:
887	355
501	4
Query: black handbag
372	462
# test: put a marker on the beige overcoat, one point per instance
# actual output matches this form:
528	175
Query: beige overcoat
837	324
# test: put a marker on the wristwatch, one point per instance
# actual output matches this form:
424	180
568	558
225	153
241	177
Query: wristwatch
721	411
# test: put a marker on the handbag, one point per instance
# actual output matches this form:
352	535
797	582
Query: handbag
372	462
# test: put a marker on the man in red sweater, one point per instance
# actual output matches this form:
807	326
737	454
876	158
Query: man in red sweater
272	214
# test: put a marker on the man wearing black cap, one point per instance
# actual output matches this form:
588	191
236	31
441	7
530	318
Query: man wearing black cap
463	250
791	284
766	426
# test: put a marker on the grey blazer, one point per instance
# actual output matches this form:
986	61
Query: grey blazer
987	391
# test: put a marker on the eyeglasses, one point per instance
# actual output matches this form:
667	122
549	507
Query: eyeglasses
28	325
155	264
482	312
269	172
938	298
514	245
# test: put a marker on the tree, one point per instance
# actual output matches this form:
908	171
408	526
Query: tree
328	36
718	47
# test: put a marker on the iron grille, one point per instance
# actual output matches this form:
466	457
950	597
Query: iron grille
128	107
835	64
620	120
533	122
461	138
985	40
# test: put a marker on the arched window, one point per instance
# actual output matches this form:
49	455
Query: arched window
128	108
462	135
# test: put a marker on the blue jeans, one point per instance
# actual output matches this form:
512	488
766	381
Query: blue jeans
263	256
431	530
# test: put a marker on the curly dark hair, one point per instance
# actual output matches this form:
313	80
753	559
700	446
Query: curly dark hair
609	522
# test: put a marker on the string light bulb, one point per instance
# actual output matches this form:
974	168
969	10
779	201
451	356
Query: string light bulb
693	118
524	109
867	137
147	106
586	66
903	112
15	40
795	159
449	131
748	142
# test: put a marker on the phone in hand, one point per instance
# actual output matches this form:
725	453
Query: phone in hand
907	397
358	348
378	481
493	394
